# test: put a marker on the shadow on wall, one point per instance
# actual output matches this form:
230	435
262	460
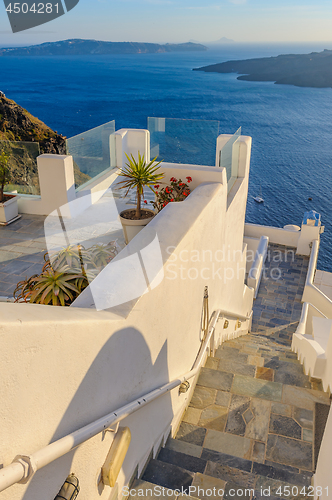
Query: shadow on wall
94	399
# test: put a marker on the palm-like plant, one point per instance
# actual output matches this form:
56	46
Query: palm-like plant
140	174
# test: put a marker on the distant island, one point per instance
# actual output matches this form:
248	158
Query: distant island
80	47
223	40
301	70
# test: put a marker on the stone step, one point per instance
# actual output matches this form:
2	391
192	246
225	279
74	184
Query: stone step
147	491
256	343
218	481
206	487
233	469
240	357
168	475
264	382
254	420
264	366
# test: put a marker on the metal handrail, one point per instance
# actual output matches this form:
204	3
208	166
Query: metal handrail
234	315
23	467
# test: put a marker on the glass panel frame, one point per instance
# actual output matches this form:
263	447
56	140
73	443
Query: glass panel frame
229	158
92	152
23	166
176	140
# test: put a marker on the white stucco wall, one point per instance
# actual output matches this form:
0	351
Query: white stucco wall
312	343
275	234
130	141
252	245
64	367
322	479
57	185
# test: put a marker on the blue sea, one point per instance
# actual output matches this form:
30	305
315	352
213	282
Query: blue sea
290	126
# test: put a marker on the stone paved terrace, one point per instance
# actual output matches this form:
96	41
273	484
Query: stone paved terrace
22	243
251	420
22	247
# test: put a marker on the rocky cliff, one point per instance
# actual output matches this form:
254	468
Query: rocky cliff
25	137
17	124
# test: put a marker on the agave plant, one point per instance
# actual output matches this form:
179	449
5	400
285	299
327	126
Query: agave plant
139	174
99	255
69	273
71	257
56	287
24	289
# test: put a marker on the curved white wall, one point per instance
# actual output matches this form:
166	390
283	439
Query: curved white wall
64	367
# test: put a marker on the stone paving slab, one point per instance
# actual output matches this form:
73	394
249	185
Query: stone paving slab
192	415
183	447
203	397
205	483
146	490
191	434
257	388
187	462
214	417
289	452
215	379
168	475
222	441
230	474
226	459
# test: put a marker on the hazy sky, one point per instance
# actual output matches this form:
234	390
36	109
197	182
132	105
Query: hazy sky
181	20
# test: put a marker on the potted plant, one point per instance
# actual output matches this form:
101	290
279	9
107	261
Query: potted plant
8	202
138	174
176	191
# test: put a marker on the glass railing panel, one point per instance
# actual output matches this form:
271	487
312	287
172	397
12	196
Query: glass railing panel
22	166
91	152
228	158
183	141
